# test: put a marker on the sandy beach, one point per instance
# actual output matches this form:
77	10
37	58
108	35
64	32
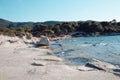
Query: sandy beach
20	61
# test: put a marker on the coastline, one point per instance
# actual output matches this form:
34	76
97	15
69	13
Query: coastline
20	61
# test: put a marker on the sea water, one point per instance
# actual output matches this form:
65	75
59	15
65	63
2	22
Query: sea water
82	50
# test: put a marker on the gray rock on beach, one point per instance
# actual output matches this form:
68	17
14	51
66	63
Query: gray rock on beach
44	41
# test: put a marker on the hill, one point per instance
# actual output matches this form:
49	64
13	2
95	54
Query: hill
4	23
10	24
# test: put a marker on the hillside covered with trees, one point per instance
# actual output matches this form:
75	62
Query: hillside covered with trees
55	28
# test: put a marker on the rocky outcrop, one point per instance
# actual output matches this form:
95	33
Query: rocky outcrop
101	65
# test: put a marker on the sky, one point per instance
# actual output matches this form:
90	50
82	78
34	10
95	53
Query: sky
59	10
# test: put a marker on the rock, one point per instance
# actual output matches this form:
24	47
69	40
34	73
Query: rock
39	63
116	72
49	53
49	58
20	35
84	68
43	42
12	41
94	44
0	42
28	36
100	65
43	47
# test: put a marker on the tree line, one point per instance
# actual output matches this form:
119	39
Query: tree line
83	27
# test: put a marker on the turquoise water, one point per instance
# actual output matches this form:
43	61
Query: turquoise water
82	50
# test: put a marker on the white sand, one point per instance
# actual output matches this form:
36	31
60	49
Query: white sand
16	64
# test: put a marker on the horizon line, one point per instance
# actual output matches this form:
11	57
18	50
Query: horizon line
62	20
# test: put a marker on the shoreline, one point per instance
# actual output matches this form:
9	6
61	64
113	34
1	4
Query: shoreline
19	61
59	44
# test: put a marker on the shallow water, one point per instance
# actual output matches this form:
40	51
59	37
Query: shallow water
82	50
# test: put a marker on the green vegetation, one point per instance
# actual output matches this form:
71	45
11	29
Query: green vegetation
90	28
6	31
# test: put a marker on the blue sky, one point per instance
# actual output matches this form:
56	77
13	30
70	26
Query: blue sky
59	10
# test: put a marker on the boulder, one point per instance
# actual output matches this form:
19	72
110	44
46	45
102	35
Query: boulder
43	42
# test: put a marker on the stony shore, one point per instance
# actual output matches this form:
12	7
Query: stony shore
21	61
